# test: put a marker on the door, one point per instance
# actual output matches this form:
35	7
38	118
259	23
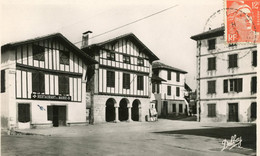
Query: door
165	108
59	116
233	112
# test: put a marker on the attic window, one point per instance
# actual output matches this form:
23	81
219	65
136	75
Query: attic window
38	53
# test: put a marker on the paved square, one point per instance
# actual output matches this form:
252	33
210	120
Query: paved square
165	137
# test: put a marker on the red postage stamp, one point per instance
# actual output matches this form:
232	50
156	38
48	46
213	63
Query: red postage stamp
242	21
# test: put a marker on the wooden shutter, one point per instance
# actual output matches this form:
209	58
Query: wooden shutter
35	82
253	85
225	86
126	81
50	113
41	82
140	82
110	79
169	90
254	62
2	81
23	113
239	85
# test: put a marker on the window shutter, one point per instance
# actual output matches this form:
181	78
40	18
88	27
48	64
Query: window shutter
35	82
42	82
50	113
239	85
2	81
169	90
253	85
254	62
225	86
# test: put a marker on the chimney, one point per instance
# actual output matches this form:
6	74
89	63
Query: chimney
86	38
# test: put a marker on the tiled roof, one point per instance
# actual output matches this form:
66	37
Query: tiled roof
157	78
71	46
159	65
129	35
211	33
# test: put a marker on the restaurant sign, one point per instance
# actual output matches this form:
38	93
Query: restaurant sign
36	96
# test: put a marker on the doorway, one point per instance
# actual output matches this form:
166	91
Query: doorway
59	116
233	112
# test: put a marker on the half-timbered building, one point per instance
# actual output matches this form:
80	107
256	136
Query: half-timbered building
43	83
120	83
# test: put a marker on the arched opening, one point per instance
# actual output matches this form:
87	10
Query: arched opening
135	110
110	110
123	110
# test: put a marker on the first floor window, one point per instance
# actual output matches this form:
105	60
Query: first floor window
253	85
233	85
110	79
140	62
64	85
253	110
126	81
211	87
169	89
126	59
111	56
212	63
38	82
140	83
180	108
177	91
211	110
2	81
23	113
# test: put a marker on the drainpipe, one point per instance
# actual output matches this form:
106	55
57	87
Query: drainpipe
198	81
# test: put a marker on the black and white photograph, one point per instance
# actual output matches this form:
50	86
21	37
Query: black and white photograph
129	78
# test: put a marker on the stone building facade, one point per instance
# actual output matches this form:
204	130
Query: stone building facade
43	83
120	84
226	78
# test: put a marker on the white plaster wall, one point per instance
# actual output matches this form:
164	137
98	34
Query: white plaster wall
244	110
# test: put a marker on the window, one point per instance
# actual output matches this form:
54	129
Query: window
253	110
153	87
232	61
50	113
169	75
64	57
140	83
233	85
126	59
178	77
232	45
211	87
177	91
64	85
253	85
174	108
38	82
212	63
110	79
2	81
211	44
169	89
140	62
23	113
111	56
126	81
211	110
38	53
180	108
254	61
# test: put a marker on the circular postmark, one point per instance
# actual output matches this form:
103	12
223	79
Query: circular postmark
239	29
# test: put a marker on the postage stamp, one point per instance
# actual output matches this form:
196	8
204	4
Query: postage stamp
242	21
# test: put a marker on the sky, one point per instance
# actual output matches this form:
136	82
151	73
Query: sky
166	34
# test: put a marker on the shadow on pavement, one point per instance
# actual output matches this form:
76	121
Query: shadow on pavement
248	134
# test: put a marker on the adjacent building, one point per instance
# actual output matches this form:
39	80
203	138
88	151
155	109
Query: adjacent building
43	83
168	89
226	78
120	84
